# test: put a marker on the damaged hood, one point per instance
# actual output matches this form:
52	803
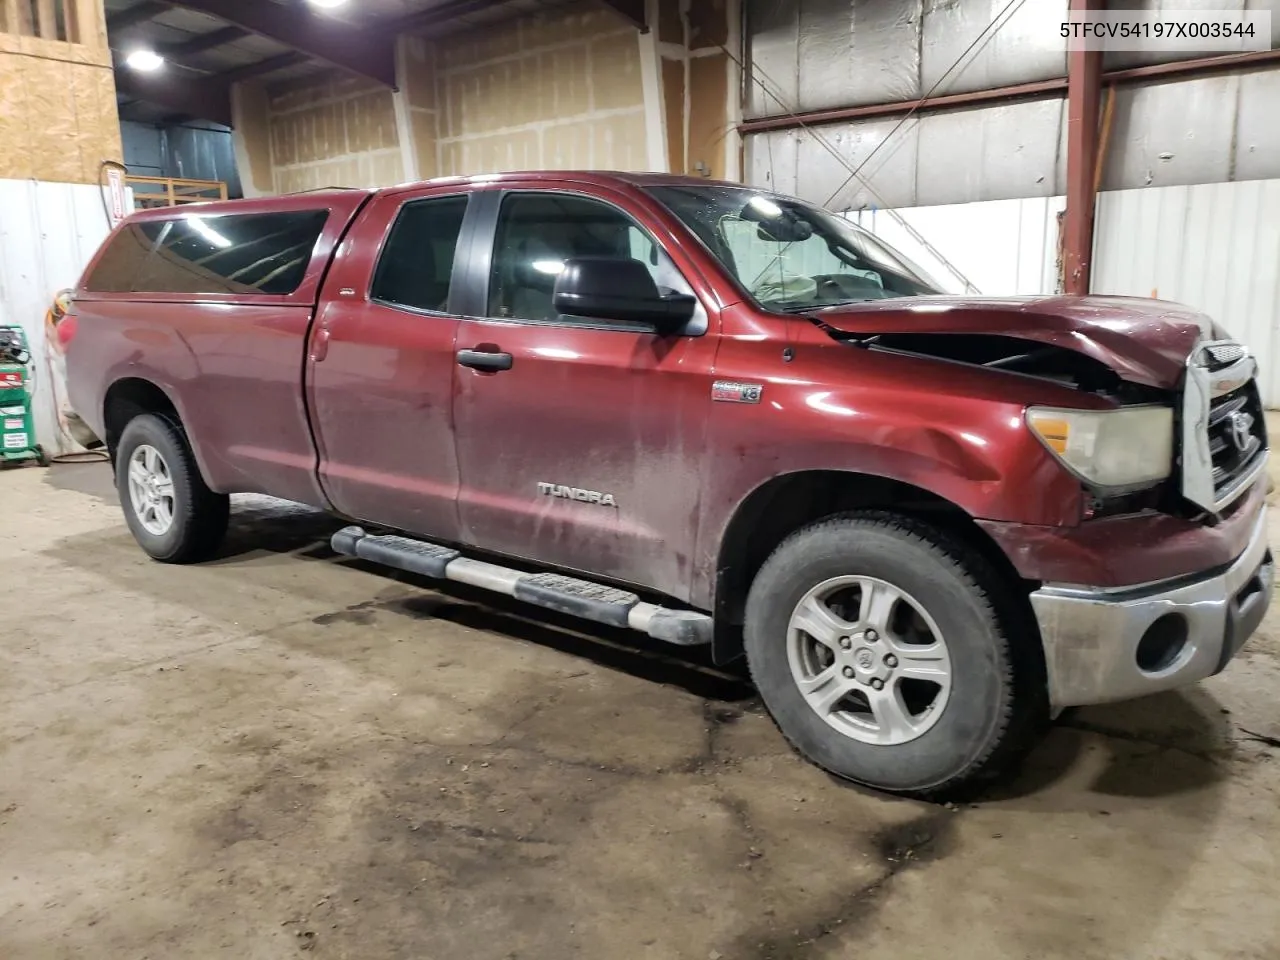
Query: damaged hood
1143	341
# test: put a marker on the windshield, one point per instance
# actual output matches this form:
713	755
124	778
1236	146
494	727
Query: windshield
790	255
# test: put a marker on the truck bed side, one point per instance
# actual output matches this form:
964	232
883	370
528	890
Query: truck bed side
229	359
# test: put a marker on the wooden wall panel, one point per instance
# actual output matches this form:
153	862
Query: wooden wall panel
58	118
708	113
673	97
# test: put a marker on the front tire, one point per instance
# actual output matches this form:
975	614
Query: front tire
882	650
171	511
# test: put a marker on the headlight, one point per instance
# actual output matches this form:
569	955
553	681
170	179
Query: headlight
1108	448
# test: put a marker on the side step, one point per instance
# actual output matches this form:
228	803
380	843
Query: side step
581	598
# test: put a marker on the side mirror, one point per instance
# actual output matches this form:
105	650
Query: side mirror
616	288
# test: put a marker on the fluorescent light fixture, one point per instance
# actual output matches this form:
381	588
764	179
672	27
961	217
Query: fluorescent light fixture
210	234
144	60
552	268
327	4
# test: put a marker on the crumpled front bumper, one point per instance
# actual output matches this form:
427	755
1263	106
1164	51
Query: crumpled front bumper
1115	644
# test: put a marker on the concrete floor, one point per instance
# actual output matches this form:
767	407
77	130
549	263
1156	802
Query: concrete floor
278	752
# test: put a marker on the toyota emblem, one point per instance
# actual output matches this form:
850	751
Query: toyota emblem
1240	427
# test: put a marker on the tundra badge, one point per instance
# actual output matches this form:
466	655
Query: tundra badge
575	493
728	391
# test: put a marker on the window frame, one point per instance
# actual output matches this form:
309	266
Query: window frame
483	247
164	241
343	208
729	272
457	274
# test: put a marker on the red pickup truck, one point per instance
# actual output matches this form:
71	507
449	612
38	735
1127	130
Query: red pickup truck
714	415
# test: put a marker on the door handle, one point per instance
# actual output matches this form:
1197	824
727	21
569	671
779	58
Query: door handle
484	360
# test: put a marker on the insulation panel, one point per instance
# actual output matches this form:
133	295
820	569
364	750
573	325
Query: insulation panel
339	131
554	90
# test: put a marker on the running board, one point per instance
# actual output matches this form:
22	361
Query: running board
581	598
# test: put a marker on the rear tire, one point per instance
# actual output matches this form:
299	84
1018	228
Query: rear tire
909	681
171	511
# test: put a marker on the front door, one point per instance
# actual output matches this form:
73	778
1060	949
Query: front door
381	365
580	442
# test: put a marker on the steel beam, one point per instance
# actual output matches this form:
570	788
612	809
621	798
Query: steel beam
631	10
1185	69
424	20
369	53
1084	88
138	13
259	69
898	108
208	97
203	42
1037	90
194	98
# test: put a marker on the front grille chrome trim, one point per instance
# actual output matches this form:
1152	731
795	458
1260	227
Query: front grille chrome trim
1204	385
1241	484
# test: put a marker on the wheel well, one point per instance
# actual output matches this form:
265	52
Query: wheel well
127	399
785	504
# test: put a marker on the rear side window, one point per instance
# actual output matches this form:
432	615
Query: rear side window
416	268
256	253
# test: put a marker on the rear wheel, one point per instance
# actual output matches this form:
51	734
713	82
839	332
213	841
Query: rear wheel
171	511
880	648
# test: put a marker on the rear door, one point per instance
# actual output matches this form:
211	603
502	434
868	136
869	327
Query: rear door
381	362
581	444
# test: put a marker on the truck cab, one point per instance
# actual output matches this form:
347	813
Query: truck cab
714	414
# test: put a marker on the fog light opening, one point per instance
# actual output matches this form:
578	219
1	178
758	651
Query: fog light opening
1162	643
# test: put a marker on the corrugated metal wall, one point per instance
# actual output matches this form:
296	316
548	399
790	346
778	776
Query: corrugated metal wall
817	54
1215	247
991	153
48	232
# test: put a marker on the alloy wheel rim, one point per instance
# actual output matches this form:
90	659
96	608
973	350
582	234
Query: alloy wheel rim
869	660
151	491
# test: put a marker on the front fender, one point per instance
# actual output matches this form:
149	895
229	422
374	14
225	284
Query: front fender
955	432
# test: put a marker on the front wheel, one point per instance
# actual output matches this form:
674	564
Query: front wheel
882	650
171	511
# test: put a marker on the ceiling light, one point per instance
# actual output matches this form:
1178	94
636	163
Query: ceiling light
327	4
145	60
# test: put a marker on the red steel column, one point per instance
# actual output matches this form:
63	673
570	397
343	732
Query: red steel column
1084	84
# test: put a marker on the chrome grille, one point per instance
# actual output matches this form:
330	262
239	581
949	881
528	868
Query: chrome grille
1236	435
1222	355
1223	448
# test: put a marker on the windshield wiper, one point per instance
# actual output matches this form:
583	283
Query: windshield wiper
805	307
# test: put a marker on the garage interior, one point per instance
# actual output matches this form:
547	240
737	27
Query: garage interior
286	751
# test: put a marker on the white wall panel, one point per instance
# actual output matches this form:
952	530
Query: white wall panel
1215	247
1003	247
48	232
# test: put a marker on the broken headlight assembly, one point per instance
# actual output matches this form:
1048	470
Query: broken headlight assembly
1112	451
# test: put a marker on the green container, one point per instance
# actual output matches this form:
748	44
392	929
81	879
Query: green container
17	429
